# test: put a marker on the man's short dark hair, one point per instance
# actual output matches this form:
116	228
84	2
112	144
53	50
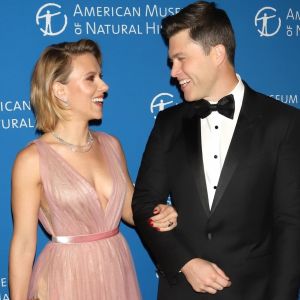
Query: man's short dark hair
207	25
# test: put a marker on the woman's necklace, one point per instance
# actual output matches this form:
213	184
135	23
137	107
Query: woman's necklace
76	148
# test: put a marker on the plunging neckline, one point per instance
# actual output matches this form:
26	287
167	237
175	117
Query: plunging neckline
90	186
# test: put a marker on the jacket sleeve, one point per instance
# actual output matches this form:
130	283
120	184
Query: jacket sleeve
152	188
285	276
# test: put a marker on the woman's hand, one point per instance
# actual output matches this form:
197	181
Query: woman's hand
164	219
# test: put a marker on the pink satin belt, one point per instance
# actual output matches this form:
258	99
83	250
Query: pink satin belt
73	239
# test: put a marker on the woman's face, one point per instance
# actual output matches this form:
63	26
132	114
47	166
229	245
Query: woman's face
85	89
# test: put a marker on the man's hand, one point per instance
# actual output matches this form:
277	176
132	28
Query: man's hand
205	276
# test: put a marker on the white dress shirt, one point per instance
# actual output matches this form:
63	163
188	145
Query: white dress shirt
216	134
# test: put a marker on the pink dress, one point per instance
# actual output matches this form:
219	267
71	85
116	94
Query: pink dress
88	259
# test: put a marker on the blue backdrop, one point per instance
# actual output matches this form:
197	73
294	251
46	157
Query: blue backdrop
135	67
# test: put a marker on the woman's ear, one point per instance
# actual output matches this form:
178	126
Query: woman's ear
59	92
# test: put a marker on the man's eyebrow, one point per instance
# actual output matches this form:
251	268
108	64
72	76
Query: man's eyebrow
176	55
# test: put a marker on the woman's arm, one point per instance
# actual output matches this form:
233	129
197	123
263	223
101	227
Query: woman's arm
25	202
165	216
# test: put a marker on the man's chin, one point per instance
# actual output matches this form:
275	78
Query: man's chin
190	99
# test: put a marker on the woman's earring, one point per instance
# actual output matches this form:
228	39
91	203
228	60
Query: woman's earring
63	100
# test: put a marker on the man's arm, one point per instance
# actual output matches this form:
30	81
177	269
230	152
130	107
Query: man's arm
285	280
151	189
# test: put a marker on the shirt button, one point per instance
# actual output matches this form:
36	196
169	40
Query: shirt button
209	236
215	156
215	187
216	127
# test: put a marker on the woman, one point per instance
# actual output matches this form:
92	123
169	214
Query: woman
75	182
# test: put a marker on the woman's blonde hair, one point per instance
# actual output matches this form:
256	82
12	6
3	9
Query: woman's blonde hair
55	65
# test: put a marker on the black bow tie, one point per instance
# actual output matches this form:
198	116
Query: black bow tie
225	107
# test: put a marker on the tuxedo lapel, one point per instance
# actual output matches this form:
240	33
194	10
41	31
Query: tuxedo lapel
249	117
192	136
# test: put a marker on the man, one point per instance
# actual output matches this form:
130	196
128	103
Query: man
232	170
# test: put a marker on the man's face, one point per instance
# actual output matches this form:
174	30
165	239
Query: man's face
195	71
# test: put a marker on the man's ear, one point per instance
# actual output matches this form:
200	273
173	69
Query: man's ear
219	53
59	91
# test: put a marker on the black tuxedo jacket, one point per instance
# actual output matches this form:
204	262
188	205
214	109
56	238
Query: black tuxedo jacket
252	231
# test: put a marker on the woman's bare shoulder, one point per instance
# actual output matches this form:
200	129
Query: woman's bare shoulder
27	159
